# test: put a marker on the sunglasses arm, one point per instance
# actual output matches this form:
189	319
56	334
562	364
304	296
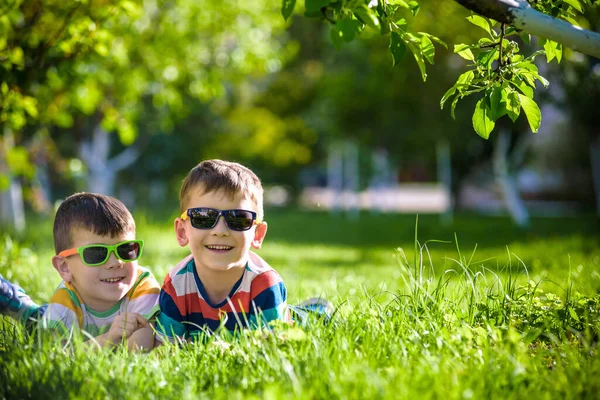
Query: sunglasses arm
67	253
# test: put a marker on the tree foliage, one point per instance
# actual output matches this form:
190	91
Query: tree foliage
499	74
123	64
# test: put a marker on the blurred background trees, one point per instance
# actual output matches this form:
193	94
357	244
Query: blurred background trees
124	97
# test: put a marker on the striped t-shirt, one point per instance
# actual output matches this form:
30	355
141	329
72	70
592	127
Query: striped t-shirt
257	298
67	310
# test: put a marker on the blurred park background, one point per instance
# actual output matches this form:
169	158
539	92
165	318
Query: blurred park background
459	267
124	98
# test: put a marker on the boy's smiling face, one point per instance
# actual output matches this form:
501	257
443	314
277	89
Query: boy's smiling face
101	286
219	249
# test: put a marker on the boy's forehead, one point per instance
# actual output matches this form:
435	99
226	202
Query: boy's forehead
200	194
81	236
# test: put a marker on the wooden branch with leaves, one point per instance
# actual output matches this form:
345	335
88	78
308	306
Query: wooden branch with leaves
503	77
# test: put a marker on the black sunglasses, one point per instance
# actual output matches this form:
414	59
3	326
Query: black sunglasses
207	218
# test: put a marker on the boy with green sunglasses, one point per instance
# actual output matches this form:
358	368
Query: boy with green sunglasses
104	291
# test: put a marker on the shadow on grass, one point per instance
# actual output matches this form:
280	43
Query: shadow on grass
391	230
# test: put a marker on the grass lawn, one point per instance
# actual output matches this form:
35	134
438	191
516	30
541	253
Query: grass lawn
507	314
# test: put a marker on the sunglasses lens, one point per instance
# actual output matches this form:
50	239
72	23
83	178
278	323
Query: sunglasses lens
203	218
129	251
239	220
95	254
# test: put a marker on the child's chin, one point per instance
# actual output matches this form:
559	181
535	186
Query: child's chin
226	267
117	290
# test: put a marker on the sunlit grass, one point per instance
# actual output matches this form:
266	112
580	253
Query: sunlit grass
505	314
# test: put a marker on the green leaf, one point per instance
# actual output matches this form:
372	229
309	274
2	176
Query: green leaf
414	7
453	106
518	82
486	58
485	42
416	50
313	7
482	122
528	77
480	22
498	102
575	4
513	106
397	48
349	28
434	39
30	106
127	133
368	16
571	20
18	161
558	52
549	47
336	37
400	3
465	80
464	51
447	95
525	37
535	75
4	182
428	49
287	7
573	314
532	112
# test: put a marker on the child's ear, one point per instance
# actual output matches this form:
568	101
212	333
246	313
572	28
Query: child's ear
259	235
60	264
180	232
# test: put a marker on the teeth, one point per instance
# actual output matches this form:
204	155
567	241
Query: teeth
111	280
220	247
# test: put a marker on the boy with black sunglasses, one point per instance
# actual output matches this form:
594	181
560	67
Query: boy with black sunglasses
104	292
221	283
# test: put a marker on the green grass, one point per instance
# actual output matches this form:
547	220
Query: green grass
506	314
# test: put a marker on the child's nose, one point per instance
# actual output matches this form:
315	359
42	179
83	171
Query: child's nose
221	227
113	261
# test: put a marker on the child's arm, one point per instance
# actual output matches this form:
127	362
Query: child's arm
142	339
123	327
270	303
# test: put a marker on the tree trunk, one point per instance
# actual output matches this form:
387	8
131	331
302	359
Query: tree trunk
444	176
44	189
335	175
351	179
519	14
514	203
12	210
102	171
595	167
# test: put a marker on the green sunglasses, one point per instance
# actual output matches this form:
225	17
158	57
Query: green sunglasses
97	254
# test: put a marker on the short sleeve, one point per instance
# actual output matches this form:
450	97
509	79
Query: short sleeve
269	299
169	321
144	295
63	313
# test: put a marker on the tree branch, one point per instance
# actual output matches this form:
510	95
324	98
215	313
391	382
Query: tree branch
519	14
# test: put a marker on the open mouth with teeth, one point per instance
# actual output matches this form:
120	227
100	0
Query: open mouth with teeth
111	280
219	247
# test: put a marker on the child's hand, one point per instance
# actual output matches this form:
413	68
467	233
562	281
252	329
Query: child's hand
124	325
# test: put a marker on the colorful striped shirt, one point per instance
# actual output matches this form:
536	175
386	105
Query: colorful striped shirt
67	311
257	298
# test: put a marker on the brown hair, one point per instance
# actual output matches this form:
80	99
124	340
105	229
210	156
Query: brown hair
102	215
232	178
